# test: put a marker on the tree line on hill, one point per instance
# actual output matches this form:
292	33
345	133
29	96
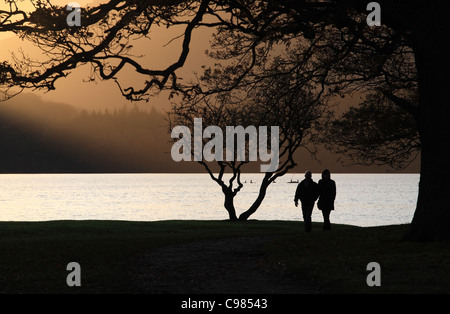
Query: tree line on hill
37	138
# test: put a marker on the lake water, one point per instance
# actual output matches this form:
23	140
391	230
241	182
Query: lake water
362	199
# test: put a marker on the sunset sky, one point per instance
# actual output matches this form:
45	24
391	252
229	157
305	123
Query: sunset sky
156	53
105	94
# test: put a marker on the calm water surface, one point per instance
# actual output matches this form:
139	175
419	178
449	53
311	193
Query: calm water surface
362	199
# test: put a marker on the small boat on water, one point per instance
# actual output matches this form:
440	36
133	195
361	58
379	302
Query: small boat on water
293	181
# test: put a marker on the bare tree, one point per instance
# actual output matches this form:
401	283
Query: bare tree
283	101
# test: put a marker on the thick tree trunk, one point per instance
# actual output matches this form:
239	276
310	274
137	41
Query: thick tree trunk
261	195
432	216
431	220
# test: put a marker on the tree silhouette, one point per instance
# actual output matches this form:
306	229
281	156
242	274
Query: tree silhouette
367	135
103	41
408	52
286	101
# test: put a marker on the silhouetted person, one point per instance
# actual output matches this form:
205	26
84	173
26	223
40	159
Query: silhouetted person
327	194
307	192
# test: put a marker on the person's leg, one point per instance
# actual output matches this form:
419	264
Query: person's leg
307	212
308	224
326	219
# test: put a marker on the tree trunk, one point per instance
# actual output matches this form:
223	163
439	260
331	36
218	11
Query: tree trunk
229	204
431	220
261	195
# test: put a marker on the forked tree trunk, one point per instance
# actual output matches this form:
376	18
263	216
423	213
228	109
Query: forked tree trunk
431	220
229	204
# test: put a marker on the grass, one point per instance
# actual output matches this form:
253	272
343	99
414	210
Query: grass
34	255
336	261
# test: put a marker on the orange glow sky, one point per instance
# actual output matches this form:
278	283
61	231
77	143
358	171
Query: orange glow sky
73	91
105	94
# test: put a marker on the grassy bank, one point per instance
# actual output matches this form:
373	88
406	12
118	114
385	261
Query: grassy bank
34	255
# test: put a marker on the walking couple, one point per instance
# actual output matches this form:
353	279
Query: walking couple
309	191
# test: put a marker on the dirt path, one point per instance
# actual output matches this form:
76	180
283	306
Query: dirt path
223	266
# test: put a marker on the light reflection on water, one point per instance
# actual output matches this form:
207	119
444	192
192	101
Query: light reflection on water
362	199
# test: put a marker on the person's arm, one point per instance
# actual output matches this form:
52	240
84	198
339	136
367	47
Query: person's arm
316	192
333	190
297	194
